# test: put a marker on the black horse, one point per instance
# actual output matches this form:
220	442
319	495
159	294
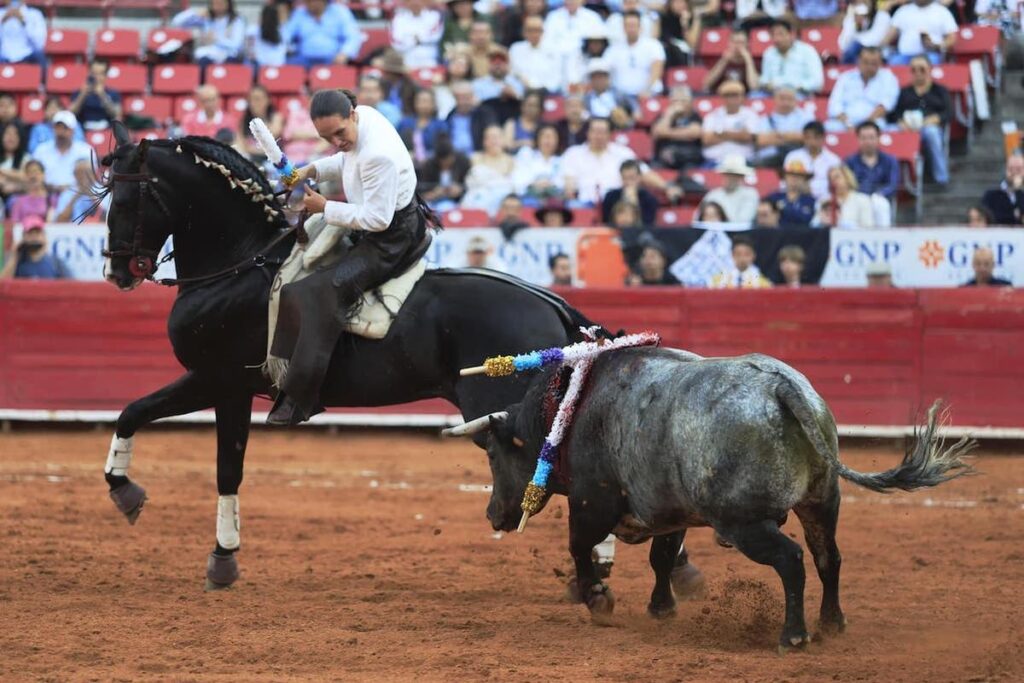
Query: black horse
230	235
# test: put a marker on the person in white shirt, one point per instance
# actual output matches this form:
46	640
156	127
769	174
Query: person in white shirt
638	63
590	170
814	156
866	93
22	34
416	33
782	130
844	206
737	199
221	31
379	181
565	27
922	27
536	64
730	129
864	25
614	22
790	62
59	155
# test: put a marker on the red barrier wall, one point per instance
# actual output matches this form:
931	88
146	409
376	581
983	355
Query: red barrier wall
878	357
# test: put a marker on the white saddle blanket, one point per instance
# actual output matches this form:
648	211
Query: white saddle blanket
327	245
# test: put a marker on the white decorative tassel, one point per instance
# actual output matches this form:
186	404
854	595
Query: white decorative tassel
265	140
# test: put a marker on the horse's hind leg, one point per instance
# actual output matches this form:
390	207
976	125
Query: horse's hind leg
186	394
764	543
234	414
819	520
664	550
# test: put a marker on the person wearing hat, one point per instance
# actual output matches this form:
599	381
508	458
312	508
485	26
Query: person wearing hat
554	214
30	258
879	275
499	83
738	199
322	33
795	203
59	155
603	101
816	158
594	45
729	129
416	31
477	252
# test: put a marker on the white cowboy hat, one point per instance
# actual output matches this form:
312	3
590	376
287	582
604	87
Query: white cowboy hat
734	164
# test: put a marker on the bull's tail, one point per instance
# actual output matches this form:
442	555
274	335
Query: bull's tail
928	461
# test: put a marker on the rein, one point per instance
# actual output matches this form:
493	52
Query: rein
142	262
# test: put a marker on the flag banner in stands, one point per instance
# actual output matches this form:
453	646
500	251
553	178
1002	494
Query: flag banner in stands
918	257
922	257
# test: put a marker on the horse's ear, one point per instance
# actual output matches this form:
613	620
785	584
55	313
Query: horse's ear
121	135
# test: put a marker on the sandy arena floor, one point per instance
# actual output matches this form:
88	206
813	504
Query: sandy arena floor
367	556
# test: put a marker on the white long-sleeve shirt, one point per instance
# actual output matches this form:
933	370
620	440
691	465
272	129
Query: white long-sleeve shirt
20	39
377	175
417	36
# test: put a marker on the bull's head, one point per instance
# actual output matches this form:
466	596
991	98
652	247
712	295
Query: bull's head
511	461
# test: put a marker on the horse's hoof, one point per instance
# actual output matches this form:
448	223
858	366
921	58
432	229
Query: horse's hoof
601	603
129	499
662	612
221	571
832	625
688	583
572	591
794	642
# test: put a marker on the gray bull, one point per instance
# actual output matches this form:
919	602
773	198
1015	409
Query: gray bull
665	440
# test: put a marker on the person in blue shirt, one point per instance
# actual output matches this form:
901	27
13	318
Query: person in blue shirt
795	204
30	259
95	105
876	171
323	33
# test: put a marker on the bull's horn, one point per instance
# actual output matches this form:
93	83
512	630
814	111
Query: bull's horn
480	424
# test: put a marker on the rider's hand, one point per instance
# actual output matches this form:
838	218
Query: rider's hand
313	201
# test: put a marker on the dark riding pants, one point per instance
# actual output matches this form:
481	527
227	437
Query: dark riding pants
318	305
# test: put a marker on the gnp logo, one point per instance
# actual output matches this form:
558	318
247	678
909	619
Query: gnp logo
931	254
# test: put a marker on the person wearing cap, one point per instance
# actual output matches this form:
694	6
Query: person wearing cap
790	62
499	83
95	105
210	116
23	31
322	33
478	250
416	31
729	129
43	131
59	156
534	61
795	203
816	158
566	26
575	63
30	258
603	101
780	131
554	214
738	199
879	275
638	62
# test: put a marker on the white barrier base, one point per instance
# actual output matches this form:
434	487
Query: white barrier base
434	420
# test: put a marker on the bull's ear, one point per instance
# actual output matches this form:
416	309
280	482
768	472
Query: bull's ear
121	135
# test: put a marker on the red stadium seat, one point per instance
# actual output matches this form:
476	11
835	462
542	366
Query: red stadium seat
237	104
376	38
675	216
67	45
175	79
637	140
980	42
64	79
185	104
157	107
832	74
585	218
127	78
713	44
650	110
158	36
765	180
692	76
957	79
20	77
904	145
554	109
31	109
230	79
120	44
824	40
816	107
465	218
760	40
100	141
705	105
287	104
427	77
333	76
283	80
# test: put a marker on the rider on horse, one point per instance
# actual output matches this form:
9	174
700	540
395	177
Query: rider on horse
389	225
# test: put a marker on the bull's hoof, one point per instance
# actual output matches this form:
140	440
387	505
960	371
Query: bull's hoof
661	611
601	603
221	571
688	583
129	499
793	641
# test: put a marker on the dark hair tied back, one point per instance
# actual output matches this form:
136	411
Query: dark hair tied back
335	102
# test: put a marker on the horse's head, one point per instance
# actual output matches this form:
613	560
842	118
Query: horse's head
138	221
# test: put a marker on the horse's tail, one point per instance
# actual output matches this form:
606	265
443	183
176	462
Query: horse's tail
927	461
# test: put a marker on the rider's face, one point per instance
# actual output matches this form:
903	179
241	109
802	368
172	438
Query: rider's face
340	132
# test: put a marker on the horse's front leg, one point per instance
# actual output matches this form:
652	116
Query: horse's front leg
188	393
234	414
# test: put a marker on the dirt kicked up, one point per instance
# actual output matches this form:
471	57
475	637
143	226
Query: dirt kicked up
367	556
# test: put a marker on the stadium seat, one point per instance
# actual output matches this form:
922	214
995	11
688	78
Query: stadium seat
333	76
427	77
832	74
120	44
704	105
980	42
465	218
67	45
762	105
127	78
675	216
376	38
957	79
288	102
585	217
157	107
692	76
158	36
64	79
824	40
147	134
237	104
230	79
283	80
554	109
100	141
31	108
816	106
713	44
175	79
904	145
184	104
650	110
637	140
20	77
760	40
